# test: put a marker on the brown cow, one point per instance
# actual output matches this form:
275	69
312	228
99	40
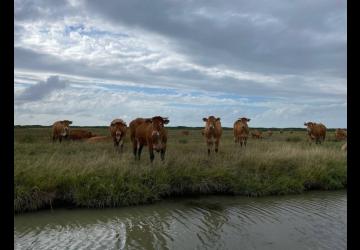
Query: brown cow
96	139
241	131
316	131
185	132
80	134
149	132
340	134
256	134
60	130
269	133
212	130
118	132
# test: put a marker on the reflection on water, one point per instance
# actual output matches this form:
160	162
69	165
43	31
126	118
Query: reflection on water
315	220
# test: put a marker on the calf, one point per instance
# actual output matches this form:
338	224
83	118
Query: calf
149	132
212	131
241	131
340	134
118	132
60	130
256	134
316	131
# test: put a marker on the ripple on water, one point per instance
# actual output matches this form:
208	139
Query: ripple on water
313	220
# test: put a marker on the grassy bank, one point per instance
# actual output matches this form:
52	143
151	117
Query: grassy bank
93	175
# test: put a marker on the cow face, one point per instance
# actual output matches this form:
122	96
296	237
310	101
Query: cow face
211	122
65	127
158	123
120	129
244	120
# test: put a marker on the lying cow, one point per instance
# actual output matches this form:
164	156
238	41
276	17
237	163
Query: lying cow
340	134
60	130
241	131
316	131
149	132
118	132
80	134
212	131
97	139
185	132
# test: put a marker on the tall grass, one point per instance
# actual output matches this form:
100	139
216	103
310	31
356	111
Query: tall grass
94	175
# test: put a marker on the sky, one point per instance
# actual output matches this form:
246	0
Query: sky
279	63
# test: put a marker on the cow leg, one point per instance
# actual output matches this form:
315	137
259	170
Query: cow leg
162	154
60	138
53	139
134	148
217	145
209	145
151	152
139	150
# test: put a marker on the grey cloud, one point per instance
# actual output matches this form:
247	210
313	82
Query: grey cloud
41	89
284	46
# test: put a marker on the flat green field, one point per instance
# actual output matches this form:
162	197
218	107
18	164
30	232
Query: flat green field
50	174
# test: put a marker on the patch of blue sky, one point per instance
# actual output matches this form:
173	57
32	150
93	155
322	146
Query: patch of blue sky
82	30
146	90
217	106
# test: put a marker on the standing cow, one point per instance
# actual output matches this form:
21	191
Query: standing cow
241	131
256	134
316	131
340	134
149	132
212	131
118	132
60	130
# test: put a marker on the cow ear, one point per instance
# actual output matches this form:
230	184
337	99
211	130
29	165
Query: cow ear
204	119
70	122
218	119
166	121
248	119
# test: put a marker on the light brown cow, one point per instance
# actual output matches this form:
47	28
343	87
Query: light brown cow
185	132
97	139
212	131
117	130
344	147
316	131
340	134
149	132
269	133
60	130
241	131
256	134
80	134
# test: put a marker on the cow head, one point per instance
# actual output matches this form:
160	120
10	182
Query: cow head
309	125
120	129
65	128
244	120
158	123
211	122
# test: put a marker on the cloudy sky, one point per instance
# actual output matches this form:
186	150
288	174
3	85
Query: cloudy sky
279	63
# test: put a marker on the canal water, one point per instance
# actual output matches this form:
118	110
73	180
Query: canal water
313	220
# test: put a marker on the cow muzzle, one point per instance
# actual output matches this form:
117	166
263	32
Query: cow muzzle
118	135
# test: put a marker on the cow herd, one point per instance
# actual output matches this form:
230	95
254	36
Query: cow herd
151	132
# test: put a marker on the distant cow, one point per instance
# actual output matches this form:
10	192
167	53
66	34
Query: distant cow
80	134
241	131
269	133
185	132
280	131
212	131
118	132
60	130
256	134
316	131
149	132
97	139
340	134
